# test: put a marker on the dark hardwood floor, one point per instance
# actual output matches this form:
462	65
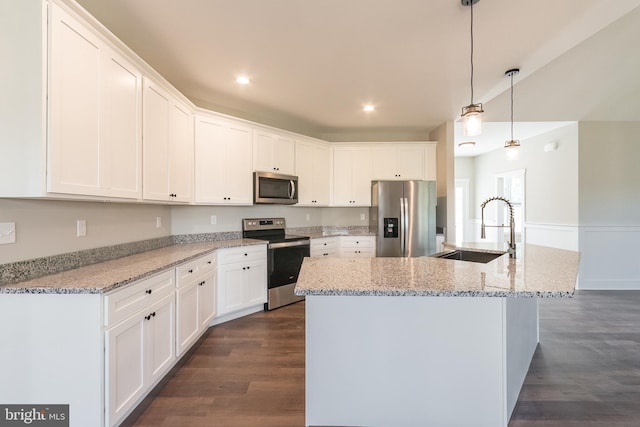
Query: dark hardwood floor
250	371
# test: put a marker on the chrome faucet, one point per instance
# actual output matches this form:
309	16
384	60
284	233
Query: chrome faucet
512	225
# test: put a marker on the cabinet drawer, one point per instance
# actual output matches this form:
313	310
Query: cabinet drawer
357	242
122	303
243	253
192	269
324	246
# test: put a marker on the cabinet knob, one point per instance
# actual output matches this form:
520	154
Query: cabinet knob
147	317
191	270
245	254
202	283
244	268
248	268
148	291
153	314
208	262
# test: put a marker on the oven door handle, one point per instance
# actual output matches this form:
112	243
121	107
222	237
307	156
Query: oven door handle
288	244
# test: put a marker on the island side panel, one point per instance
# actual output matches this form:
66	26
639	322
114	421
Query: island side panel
522	337
405	361
52	353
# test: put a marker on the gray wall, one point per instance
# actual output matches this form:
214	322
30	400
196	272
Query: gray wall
609	173
609	205
48	227
551	195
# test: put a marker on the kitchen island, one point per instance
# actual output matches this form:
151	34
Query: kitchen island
424	341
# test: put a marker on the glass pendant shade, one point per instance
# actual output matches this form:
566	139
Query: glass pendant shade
472	120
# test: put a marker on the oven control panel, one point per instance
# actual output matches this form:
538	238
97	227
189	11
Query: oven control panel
263	224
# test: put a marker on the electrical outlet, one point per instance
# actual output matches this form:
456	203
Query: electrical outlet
308	217
81	228
158	221
214	219
362	217
7	233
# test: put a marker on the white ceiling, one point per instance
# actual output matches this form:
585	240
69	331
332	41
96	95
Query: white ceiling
314	64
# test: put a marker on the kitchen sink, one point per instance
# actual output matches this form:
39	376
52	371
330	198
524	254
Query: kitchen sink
467	255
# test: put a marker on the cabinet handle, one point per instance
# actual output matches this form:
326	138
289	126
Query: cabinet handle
148	291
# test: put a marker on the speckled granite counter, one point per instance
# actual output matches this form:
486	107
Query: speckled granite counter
320	232
537	271
109	275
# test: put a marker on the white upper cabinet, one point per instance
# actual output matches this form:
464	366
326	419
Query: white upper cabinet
94	143
351	176
223	161
312	169
273	152
167	146
398	162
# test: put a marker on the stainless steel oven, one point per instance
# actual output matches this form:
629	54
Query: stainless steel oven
285	254
275	188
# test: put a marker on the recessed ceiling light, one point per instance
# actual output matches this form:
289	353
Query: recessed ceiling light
243	80
369	108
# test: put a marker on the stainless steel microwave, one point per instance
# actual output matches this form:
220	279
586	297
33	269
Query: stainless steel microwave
275	188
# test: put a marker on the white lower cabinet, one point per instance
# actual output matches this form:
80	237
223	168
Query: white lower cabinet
195	300
241	278
140	349
325	247
357	246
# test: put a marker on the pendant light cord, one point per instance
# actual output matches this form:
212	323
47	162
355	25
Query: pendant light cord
512	105
471	52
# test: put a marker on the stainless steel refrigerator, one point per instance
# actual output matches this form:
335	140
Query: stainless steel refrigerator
403	214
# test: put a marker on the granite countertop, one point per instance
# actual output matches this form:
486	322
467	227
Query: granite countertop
109	275
537	271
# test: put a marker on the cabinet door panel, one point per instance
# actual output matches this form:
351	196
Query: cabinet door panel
230	288
160	338
256	283
180	153
206	300
239	184
120	129
264	149
305	173
74	104
187	316
125	366
385	165
410	163
321	176
210	161
342	177
362	176
156	144
285	157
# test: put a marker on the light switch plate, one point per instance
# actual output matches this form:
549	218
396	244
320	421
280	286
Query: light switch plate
7	233
81	228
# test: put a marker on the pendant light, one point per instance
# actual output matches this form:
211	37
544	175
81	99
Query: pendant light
471	114
513	144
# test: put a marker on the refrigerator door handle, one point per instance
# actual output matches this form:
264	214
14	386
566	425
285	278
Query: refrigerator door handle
405	228
402	226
